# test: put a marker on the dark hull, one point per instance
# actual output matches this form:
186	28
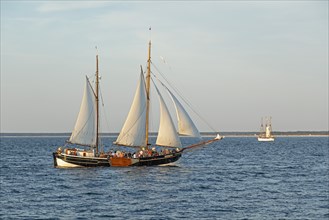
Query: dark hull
159	160
79	161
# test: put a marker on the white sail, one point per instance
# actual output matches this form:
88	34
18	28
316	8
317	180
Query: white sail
84	131
167	135
134	129
185	123
267	131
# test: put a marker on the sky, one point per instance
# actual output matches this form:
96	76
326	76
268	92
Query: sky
234	61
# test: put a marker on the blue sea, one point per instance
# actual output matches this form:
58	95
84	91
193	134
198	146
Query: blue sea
236	178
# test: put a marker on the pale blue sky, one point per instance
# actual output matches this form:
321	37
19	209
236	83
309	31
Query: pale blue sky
235	61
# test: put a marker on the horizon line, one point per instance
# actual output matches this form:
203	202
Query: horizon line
202	132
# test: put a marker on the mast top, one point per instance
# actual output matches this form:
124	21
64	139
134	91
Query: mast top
150	31
96	50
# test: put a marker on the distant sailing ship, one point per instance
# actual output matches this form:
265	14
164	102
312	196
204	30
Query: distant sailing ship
266	130
134	134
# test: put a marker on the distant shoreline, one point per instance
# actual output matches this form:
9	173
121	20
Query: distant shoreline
204	134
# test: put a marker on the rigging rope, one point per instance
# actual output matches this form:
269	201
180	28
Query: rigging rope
104	110
104	113
180	95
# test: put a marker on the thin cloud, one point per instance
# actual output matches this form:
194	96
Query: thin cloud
69	6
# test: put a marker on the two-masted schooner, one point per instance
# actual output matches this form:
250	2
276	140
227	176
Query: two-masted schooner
266	130
134	133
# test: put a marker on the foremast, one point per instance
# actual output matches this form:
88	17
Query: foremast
262	129
148	80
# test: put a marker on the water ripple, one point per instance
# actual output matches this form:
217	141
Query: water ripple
237	178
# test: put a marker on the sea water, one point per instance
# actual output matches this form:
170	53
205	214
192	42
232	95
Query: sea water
235	178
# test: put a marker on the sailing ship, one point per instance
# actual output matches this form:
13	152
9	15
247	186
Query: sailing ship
134	133
266	130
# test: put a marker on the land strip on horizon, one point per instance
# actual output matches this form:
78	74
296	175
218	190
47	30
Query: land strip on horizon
224	133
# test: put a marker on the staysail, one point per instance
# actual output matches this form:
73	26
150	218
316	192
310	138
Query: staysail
84	131
133	131
167	135
185	123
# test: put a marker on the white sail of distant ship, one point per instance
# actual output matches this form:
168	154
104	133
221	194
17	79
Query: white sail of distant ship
266	130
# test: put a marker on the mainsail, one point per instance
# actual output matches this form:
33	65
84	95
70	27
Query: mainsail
167	135
84	131
133	131
185	123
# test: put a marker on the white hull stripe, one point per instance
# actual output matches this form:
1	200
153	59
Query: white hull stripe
62	163
265	139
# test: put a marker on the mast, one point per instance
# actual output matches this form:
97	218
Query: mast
97	104
148	79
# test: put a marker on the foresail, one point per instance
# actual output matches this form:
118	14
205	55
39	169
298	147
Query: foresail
133	131
185	123
84	131
167	135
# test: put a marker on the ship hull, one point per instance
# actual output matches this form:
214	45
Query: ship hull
159	160
62	160
71	161
264	139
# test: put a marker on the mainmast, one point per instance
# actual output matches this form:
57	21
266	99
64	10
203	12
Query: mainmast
97	105
148	80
